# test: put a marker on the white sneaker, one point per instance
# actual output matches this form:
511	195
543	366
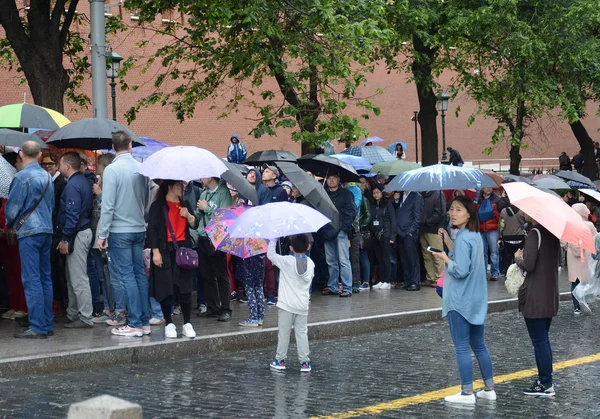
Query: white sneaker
188	331
386	286
377	285
461	398
155	322
485	394
9	315
170	331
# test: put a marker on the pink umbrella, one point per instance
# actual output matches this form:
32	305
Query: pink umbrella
218	232
551	212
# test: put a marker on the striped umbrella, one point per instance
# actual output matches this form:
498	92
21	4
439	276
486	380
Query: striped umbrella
24	115
373	153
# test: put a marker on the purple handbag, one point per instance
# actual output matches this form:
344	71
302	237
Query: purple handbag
185	257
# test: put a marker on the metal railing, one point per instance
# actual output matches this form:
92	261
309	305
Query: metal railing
528	165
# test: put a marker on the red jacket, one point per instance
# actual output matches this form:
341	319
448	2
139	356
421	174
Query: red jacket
494	223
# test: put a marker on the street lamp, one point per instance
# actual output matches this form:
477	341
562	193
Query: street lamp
415	119
442	104
113	66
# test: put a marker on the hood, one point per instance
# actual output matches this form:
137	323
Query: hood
258	177
234	136
582	210
302	268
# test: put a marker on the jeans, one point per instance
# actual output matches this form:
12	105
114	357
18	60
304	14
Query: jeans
127	253
490	250
576	305
355	259
337	254
465	334
113	281
156	311
37	281
365	266
96	274
538	332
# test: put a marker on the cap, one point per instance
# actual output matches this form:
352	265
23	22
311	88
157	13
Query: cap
273	169
288	184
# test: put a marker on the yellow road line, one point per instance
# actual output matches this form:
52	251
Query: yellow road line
440	394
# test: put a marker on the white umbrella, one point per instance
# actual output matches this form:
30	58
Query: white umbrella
7	173
185	163
591	193
278	219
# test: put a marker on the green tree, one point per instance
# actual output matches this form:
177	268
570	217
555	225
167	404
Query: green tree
318	52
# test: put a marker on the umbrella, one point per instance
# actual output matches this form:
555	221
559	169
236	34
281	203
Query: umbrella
392	147
270	156
7	173
322	166
185	163
549	182
12	138
549	191
242	168
394	167
494	176
236	179
312	191
373	140
90	134
440	177
279	219
514	178
591	193
551	212
218	232
574	176
24	115
373	154
150	147
358	163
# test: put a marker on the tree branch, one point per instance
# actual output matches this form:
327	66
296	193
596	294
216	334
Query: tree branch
59	9
64	31
13	26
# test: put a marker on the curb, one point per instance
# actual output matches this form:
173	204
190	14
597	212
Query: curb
247	339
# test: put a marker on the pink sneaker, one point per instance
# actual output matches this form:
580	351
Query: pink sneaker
146	330
128	331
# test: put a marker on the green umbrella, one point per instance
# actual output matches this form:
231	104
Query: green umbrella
394	167
24	115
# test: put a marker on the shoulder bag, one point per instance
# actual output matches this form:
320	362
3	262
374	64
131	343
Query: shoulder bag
185	257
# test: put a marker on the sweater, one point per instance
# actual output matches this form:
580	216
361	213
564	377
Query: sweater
294	295
465	283
125	195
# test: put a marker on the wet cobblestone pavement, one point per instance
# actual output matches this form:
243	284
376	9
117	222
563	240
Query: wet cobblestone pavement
349	373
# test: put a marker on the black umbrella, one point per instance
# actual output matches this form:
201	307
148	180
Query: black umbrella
323	166
575	177
12	138
313	191
90	134
235	178
270	156
514	178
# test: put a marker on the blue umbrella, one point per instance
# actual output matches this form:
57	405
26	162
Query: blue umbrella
392	147
359	163
440	177
150	147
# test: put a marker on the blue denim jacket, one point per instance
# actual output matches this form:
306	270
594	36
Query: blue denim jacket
25	190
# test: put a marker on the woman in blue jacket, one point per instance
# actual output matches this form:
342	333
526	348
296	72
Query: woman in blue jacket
465	299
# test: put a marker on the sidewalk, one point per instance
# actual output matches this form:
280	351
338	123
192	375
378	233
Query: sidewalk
329	317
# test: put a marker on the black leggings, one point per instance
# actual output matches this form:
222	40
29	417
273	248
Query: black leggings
186	306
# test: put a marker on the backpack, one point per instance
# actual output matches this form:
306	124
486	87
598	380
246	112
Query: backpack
515	276
486	210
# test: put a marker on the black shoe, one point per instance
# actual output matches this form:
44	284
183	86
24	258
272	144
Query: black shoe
30	334
208	313
413	287
346	294
78	324
51	333
538	389
224	317
493	278
23	321
329	292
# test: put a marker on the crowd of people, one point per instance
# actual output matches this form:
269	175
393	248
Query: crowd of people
103	247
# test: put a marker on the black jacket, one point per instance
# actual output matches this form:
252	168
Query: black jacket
434	210
76	204
343	200
409	214
384	215
162	279
455	158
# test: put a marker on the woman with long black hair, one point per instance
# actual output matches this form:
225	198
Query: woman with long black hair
383	235
169	222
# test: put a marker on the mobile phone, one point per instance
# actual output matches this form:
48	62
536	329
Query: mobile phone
434	250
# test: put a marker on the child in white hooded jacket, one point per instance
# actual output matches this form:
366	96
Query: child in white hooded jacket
295	277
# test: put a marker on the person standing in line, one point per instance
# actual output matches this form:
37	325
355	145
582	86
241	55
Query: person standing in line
434	211
169	223
297	272
489	223
512	234
408	223
383	235
539	299
74	221
465	300
213	263
364	221
125	196
29	211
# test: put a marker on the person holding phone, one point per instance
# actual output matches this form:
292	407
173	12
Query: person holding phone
383	234
465	299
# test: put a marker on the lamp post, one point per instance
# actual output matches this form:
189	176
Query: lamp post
442	102
113	66
415	119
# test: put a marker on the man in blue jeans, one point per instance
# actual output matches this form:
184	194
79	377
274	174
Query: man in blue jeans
125	195
337	251
29	211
